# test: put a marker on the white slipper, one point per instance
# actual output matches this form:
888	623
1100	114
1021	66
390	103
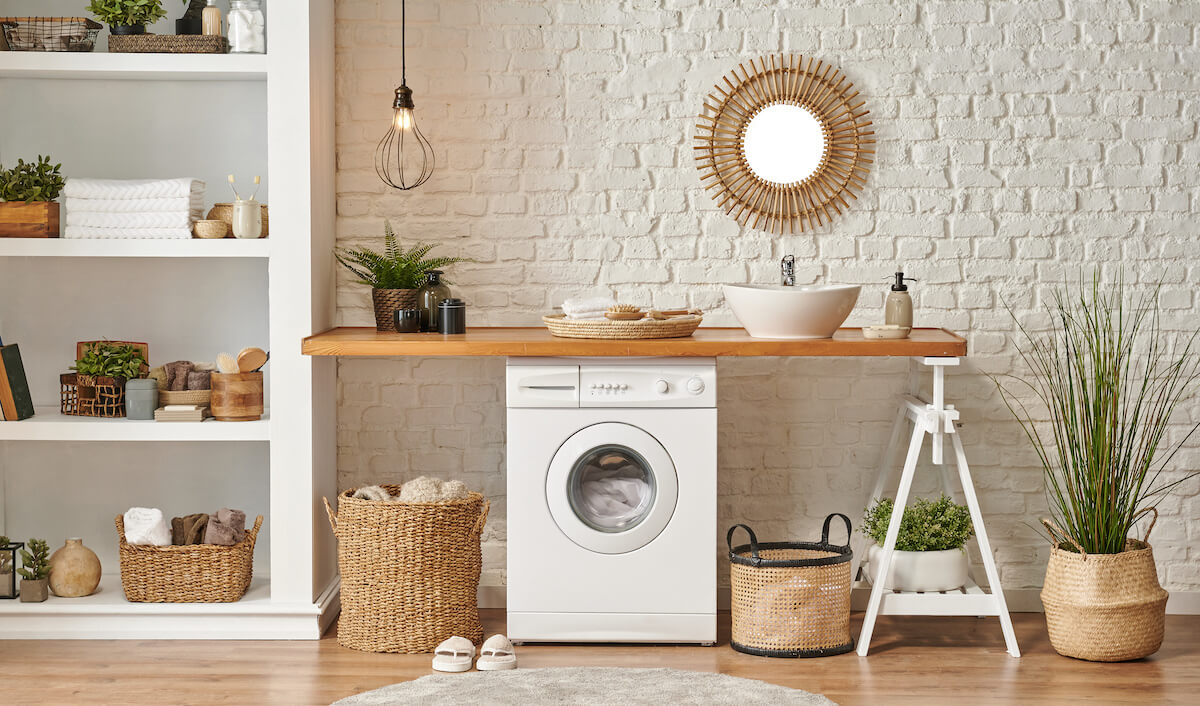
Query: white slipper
496	654
454	655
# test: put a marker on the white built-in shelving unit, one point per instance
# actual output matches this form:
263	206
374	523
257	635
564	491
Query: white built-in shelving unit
157	116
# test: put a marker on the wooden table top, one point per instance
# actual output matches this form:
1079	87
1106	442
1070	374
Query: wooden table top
705	342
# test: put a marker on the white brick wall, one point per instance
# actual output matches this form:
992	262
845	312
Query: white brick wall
1018	143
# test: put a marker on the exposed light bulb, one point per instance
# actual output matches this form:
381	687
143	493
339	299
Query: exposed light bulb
404	158
404	119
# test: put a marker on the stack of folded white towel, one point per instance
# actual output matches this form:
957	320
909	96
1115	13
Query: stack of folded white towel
587	308
132	208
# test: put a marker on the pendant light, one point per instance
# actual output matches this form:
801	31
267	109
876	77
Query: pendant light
404	158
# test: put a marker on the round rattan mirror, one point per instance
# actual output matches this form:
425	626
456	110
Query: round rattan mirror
783	144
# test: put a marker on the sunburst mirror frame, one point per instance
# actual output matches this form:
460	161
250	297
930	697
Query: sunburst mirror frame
796	80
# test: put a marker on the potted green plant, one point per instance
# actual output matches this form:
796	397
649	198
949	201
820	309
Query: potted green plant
1104	382
929	552
100	375
8	556
394	275
35	572
127	16
27	193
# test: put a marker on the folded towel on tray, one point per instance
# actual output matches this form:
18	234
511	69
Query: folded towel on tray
89	232
176	204
189	529
162	219
586	308
80	188
227	527
145	525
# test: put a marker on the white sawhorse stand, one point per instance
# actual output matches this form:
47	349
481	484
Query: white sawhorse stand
937	420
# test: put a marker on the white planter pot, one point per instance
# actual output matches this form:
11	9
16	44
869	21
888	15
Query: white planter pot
943	570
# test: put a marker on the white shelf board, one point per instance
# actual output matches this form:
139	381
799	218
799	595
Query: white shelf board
48	424
133	247
107	615
143	67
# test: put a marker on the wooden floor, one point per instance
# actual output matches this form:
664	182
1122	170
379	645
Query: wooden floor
926	661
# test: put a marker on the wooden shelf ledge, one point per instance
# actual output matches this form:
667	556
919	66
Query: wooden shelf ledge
706	342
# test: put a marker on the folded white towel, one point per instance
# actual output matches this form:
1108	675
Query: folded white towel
79	188
145	525
89	232
175	204
87	219
587	305
589	316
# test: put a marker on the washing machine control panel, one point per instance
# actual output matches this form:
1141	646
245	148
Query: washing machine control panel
647	386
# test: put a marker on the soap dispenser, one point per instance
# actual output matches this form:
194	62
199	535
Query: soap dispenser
897	311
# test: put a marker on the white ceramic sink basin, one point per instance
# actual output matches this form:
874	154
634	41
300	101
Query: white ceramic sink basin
775	311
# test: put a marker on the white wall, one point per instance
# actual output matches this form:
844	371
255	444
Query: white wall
1020	143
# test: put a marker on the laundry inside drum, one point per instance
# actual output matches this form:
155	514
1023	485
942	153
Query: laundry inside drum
611	488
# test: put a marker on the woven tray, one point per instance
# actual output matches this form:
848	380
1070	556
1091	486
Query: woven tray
167	44
674	327
196	397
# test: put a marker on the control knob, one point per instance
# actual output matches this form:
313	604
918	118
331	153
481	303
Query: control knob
695	385
661	386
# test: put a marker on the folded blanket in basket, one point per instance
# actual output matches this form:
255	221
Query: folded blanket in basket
79	188
145	525
189	529
88	232
193	203
162	219
227	527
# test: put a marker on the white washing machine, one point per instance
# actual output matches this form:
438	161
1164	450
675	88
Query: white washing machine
612	500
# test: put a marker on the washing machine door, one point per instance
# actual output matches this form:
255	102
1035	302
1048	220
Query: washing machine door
611	488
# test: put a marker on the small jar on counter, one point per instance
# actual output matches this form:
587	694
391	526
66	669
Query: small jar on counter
452	316
247	27
141	399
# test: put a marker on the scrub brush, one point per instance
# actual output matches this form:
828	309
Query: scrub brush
227	364
623	312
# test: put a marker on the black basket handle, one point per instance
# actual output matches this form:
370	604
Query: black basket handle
753	540
825	529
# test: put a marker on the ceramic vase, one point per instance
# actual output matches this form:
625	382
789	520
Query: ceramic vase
74	570
33	591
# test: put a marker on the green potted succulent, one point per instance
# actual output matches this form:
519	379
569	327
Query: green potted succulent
27	193
929	555
127	16
394	275
1098	406
35	572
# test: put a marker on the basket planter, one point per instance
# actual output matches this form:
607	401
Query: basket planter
932	571
88	396
791	599
38	219
1103	607
193	573
410	571
387	301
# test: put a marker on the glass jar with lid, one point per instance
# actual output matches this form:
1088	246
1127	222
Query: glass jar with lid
247	27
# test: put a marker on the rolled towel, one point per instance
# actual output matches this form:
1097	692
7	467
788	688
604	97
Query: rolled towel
454	490
177	375
82	188
421	490
587	306
199	380
189	529
227	527
373	492
145	525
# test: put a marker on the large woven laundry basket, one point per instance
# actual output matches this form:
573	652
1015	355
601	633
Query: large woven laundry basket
791	599
1103	607
410	571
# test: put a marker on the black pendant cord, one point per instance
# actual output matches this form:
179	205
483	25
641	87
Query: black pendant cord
403	42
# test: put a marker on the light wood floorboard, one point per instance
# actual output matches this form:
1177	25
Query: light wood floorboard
927	661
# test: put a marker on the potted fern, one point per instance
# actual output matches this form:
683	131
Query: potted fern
929	552
394	275
1104	385
127	16
27	193
35	572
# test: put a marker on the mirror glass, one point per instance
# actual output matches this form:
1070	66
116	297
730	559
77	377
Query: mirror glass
784	144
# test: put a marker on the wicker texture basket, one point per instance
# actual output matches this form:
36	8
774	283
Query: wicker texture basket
1103	607
791	599
387	301
77	34
194	573
410	571
89	396
196	397
674	327
167	44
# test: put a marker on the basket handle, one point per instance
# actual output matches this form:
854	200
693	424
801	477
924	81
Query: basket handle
1058	536
1153	521
253	534
753	541
120	529
483	515
825	529
332	515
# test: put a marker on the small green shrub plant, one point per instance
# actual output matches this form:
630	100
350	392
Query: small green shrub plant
5	557
31	181
35	565
106	359
395	268
128	12
927	525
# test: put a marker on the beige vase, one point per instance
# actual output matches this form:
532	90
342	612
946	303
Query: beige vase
74	570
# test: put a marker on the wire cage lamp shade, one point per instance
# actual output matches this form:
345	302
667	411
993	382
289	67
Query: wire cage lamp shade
404	158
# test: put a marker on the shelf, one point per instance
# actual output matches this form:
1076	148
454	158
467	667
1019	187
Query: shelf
48	424
140	67
968	600
706	342
107	615
196	247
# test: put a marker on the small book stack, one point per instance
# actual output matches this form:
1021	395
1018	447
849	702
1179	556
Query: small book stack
181	413
15	401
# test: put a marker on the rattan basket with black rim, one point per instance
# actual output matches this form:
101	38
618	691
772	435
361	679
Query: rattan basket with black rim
674	327
410	571
791	599
193	573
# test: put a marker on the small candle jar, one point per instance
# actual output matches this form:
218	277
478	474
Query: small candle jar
141	399
452	316
247	219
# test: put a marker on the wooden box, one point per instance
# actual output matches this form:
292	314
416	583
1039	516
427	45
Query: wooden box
38	219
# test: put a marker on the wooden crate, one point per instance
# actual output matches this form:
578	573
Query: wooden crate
29	220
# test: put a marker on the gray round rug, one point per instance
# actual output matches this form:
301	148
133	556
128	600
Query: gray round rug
585	685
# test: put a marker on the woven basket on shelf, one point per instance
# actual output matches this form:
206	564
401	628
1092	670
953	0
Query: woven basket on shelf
410	571
90	396
48	33
674	327
791	599
196	397
1103	607
387	301
167	44
193	573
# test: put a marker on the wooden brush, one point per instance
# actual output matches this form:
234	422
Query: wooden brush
227	364
249	360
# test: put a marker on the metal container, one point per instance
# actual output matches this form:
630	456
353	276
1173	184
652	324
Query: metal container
452	316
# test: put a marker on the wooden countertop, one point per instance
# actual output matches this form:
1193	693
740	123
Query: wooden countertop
537	341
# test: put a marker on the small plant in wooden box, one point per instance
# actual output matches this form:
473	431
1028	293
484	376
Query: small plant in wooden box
35	572
27	193
97	387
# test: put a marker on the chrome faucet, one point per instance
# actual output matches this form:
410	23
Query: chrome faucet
787	270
